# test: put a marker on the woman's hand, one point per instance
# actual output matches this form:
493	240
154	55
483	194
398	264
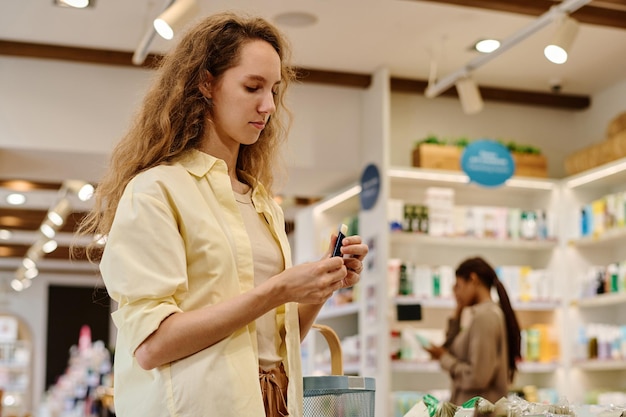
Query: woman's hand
354	251
436	352
311	282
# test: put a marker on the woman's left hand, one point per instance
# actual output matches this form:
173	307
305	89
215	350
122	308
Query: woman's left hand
356	250
436	352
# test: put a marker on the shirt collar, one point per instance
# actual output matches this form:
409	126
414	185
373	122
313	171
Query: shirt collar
199	164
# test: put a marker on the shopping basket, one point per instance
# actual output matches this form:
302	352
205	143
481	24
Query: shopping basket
337	395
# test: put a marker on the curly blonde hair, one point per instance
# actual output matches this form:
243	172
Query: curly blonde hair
173	115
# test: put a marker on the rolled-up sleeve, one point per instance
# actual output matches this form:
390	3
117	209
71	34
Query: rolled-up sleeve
143	264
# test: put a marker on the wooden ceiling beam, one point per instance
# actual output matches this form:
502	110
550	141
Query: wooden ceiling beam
611	13
306	75
559	100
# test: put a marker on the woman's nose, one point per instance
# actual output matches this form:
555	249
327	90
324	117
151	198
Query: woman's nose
268	105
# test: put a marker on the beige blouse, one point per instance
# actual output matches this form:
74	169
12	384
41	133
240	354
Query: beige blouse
477	357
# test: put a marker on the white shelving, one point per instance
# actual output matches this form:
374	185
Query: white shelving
448	303
601	365
409	185
433	367
477	243
15	375
582	253
329	312
601	300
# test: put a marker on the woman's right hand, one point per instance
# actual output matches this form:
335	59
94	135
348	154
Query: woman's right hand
312	282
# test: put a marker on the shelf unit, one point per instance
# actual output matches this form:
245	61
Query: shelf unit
15	366
582	253
409	185
536	253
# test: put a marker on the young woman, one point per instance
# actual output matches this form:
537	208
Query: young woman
210	311
480	357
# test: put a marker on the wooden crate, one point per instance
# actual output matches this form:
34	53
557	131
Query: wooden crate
597	154
428	155
448	157
530	165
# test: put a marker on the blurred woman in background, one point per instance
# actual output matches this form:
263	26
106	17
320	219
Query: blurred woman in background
480	354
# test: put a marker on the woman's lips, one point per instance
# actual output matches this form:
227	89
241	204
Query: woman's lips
258	125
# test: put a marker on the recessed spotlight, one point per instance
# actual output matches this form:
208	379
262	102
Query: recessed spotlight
486	46
295	19
77	4
5	234
16	199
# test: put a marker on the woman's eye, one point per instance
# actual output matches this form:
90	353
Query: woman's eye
252	89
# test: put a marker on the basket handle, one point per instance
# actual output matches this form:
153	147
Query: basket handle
336	359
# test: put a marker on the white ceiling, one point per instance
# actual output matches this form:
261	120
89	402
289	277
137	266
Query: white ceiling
352	35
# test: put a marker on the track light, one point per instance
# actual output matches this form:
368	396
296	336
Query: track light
78	4
469	95
174	17
563	38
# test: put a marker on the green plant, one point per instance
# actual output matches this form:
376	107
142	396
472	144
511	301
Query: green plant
431	139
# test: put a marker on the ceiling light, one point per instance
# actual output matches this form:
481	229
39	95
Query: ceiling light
17	285
59	213
561	43
174	17
469	94
86	192
31	273
78	4
28	263
50	246
563	7
487	46
5	234
16	199
47	230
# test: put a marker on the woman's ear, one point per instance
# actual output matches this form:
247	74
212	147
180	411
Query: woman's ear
206	85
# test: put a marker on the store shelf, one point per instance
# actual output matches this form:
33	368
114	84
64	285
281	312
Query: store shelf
433	366
329	312
415	367
536	305
608	238
537	367
448	303
601	365
460	179
601	300
406	238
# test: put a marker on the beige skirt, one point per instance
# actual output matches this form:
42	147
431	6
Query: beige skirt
274	389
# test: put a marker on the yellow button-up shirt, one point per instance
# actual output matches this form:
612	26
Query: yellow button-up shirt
178	243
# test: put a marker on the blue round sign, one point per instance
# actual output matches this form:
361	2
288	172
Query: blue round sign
370	187
487	163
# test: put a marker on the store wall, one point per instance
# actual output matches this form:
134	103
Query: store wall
414	117
605	106
84	109
69	107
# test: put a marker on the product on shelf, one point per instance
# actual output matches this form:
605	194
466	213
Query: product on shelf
76	392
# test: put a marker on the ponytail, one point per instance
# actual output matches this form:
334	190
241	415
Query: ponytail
513	334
